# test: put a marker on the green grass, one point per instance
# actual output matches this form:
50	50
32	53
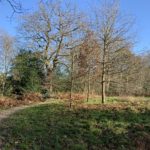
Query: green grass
116	100
54	126
97	100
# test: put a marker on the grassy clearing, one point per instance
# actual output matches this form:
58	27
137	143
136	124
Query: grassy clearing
54	126
97	100
121	100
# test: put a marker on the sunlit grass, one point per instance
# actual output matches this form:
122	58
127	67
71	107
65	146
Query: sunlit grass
55	126
110	100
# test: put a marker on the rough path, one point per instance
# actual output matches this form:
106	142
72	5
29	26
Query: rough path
6	113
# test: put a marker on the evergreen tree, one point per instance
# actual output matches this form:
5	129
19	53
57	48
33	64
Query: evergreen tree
27	72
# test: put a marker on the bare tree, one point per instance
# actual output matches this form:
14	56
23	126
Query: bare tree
112	32
15	5
49	30
87	60
6	55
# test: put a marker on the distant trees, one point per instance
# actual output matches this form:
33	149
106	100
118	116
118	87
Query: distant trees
87	61
145	75
6	55
65	52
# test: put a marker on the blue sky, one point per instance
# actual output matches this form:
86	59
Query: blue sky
140	9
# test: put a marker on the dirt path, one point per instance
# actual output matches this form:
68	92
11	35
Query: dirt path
6	113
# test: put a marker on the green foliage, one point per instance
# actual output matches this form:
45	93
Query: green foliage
55	126
61	79
27	72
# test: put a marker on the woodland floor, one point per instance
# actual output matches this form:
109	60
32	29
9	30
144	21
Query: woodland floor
120	124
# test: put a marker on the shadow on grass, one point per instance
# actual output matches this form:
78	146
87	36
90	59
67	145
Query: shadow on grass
56	127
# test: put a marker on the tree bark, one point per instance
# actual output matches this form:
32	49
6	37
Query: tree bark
103	88
104	73
88	90
71	79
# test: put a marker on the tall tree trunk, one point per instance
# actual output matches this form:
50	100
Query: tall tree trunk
120	88
103	88
88	89
127	85
71	79
108	85
103	83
